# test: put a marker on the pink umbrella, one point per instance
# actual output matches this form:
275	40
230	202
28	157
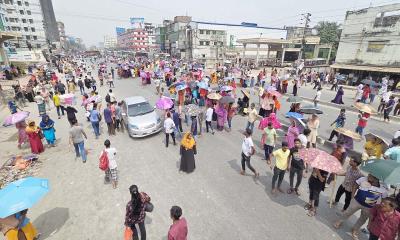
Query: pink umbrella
90	99
143	74
15	118
321	160
275	93
164	103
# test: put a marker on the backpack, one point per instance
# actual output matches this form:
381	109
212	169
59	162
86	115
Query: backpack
108	98
103	161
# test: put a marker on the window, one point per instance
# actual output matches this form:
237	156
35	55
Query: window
214	32
33	29
6	19
21	12
203	55
201	31
14	28
19	3
38	45
12	20
23	20
376	46
201	43
387	19
8	29
28	37
30	20
215	43
17	45
208	32
27	4
28	12
25	29
207	43
34	37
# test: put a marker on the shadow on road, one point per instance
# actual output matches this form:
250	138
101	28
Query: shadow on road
51	221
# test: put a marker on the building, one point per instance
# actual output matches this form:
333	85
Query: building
160	37
23	17
369	43
49	21
134	39
151	33
298	32
110	42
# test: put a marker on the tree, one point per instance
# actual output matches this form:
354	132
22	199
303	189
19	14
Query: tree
329	33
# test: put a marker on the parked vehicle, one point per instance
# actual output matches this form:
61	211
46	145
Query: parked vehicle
140	117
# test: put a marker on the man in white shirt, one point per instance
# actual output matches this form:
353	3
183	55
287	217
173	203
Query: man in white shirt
317	97
209	114
169	127
247	151
303	137
112	171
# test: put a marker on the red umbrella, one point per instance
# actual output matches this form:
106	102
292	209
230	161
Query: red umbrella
321	160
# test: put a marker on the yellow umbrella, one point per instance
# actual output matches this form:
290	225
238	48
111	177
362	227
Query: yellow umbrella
364	108
214	96
349	133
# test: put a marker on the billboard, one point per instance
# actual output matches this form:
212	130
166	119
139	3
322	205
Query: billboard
137	22
120	30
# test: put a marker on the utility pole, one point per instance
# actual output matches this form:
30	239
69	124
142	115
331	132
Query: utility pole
306	18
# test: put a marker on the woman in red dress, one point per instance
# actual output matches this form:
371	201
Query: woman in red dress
35	136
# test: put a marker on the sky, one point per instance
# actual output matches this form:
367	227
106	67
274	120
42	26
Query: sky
91	20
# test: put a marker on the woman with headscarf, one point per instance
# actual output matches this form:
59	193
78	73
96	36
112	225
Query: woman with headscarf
136	212
221	117
35	136
313	125
47	126
292	134
187	151
338	97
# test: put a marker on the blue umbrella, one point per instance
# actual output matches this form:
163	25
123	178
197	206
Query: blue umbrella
180	87
22	194
294	115
202	85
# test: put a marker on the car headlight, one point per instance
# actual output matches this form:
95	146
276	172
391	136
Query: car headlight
133	126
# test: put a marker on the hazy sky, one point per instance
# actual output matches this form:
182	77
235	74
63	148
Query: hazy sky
92	19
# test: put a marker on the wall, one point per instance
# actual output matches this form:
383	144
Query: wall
370	40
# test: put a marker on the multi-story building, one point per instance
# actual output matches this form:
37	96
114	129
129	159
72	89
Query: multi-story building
151	32
110	42
369	43
134	39
25	18
49	21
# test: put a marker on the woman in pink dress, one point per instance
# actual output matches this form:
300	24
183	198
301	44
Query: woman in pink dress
22	137
292	134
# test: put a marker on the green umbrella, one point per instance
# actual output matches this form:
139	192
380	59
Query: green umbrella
294	99
386	170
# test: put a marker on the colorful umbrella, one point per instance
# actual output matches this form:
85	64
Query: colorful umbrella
15	118
202	85
245	92
164	103
226	88
349	133
294	99
181	87
275	93
294	115
364	108
310	109
386	170
321	160
227	100
192	109
228	79
269	88
143	74
214	96
22	194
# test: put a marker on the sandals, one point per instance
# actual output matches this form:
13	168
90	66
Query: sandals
311	212
289	191
354	235
307	206
297	192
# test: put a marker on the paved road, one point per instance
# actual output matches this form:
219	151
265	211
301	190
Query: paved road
217	202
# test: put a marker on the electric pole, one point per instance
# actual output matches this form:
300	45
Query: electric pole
306	18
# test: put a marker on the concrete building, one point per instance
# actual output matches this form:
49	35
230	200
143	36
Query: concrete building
49	21
23	17
151	33
110	42
134	39
160	37
370	43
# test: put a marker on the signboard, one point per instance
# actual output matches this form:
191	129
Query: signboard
137	22
26	56
120	30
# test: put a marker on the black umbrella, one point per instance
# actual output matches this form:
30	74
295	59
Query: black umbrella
227	100
310	109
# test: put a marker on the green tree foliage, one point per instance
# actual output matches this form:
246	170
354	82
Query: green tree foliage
329	33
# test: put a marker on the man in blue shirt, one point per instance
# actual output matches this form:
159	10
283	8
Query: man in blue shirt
109	120
94	118
339	123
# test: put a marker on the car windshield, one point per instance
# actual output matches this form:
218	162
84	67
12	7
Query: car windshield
139	109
